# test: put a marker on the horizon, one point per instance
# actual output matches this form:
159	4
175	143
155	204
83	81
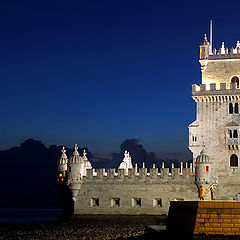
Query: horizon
165	156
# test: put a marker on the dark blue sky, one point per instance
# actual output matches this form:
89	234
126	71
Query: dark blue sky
98	72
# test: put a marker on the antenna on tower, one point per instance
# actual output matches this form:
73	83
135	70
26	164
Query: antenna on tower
211	36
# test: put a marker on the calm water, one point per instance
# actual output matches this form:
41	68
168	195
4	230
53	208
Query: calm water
21	215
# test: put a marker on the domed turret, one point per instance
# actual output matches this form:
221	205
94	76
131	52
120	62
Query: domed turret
204	48
202	168
62	166
87	164
75	172
203	157
75	166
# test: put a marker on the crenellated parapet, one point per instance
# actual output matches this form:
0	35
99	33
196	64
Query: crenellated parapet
222	53
213	92
140	174
225	53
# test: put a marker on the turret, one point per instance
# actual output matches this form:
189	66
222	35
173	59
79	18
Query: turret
62	166
202	169
87	164
75	172
204	48
75	165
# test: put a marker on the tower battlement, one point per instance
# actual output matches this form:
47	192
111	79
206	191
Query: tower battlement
102	174
217	91
224	53
141	173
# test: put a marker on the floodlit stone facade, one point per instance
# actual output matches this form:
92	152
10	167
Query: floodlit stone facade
213	140
217	123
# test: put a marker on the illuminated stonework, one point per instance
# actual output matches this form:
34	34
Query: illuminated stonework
213	140
217	124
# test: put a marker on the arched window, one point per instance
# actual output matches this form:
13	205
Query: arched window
235	134
234	160
235	80
230	133
236	108
230	108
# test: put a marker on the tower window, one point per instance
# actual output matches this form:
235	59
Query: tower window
136	202
206	168
233	160
230	133
236	108
235	134
115	202
69	169
230	108
95	202
157	202
194	138
235	80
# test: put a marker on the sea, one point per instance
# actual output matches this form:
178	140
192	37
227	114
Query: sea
23	215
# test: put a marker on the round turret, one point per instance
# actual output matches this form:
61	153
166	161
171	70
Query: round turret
75	166
203	157
62	166
87	164
204	48
202	168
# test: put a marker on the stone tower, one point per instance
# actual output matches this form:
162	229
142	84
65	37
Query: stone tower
217	125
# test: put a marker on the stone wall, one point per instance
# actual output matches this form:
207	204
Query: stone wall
205	217
219	71
213	120
138	193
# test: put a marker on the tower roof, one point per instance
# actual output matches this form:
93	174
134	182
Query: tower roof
205	41
63	159
75	158
85	159
203	157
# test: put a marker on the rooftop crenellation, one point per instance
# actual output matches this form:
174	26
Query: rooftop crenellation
225	91
162	173
225	53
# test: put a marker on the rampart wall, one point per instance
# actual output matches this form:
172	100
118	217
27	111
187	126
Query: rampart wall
147	191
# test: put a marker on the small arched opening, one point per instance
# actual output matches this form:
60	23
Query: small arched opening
236	108
235	79
230	108
234	160
235	134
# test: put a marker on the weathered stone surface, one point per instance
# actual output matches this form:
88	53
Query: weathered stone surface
189	217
